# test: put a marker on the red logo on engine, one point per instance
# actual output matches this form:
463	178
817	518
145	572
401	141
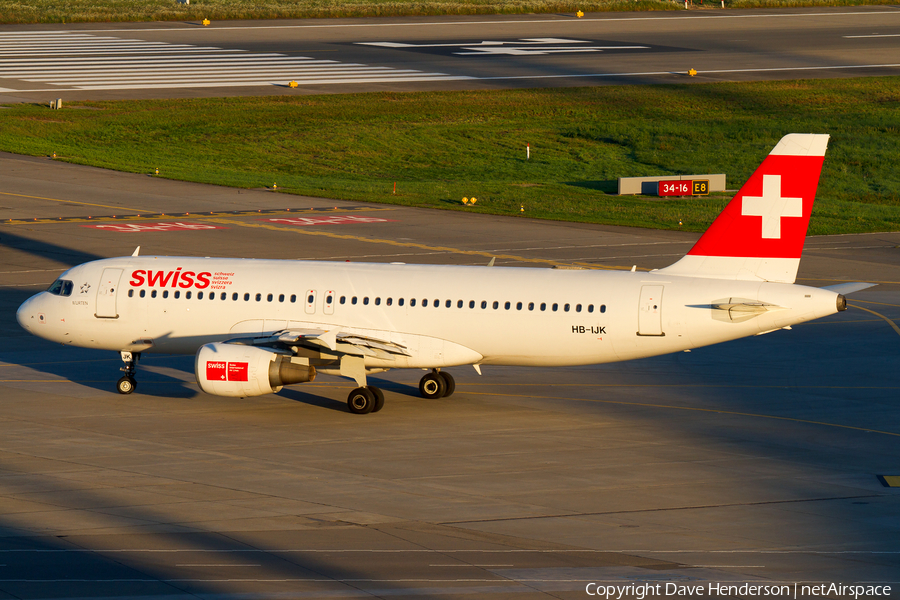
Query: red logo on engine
237	371
215	371
221	371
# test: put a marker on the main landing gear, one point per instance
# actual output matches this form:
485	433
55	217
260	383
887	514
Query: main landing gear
437	384
127	383
364	400
370	399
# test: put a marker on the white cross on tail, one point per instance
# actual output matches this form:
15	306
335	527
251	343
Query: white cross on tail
771	207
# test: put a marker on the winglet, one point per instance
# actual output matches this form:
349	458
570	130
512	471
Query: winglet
136	251
759	236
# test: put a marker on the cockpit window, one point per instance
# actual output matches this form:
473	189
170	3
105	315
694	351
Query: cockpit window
61	287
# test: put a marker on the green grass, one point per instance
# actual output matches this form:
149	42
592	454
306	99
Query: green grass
440	147
70	11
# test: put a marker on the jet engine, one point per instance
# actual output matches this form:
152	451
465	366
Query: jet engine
238	370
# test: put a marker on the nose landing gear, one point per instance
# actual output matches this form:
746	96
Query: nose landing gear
127	383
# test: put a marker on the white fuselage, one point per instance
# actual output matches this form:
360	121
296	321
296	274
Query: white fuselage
443	315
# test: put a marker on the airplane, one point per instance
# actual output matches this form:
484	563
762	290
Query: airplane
258	325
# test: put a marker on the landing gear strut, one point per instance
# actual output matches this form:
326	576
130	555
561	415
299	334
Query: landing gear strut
364	400
127	383
437	384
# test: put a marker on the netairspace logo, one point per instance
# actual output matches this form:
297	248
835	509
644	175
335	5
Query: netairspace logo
640	591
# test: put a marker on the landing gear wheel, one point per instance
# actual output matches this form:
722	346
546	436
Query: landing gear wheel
361	401
379	398
448	382
432	386
126	385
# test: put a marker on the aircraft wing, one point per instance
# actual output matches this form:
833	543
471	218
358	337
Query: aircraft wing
338	342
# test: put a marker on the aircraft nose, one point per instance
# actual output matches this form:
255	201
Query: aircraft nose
25	315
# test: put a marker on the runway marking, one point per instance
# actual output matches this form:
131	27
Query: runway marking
874	35
446	249
66	201
153	226
891	323
98	62
523	47
336	220
187	215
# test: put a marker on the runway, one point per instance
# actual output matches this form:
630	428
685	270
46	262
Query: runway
753	461
151	60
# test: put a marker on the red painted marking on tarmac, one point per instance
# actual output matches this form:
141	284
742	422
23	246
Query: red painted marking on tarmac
157	226
329	220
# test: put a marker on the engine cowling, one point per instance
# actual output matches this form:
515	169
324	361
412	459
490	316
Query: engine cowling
237	370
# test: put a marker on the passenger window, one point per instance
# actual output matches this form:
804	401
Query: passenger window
506	306
566	308
577	308
518	306
389	301
459	304
448	303
246	297
400	302
603	308
555	307
366	300
425	302
223	296
531	306
153	294
177	295
234	296
353	301
484	304
310	299
378	301
130	293
187	295
590	308
496	305
293	297
471	304
412	301
199	295
269	298
258	297
543	306
281	297
143	293
165	293
329	299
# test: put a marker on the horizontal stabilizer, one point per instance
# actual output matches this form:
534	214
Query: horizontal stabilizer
849	287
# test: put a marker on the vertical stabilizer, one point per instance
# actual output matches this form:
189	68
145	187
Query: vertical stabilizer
760	234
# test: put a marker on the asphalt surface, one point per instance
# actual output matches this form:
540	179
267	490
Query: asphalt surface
148	60
754	461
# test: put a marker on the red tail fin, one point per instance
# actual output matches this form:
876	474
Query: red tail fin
760	234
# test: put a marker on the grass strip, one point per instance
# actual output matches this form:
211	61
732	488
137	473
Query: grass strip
442	146
72	11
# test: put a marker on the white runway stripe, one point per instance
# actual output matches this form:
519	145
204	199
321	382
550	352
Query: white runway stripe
95	62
